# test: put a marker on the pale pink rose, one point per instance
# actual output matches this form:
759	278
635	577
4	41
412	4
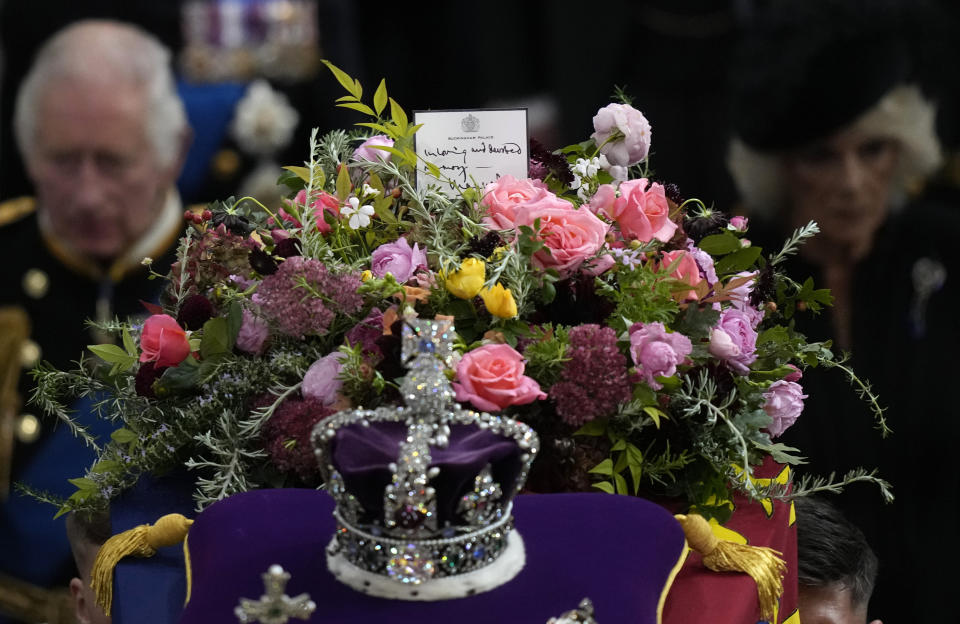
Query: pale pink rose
368	152
687	270
507	201
657	352
399	259
740	298
491	378
738	223
320	381
602	201
570	235
734	341
643	213
253	333
625	119
784	402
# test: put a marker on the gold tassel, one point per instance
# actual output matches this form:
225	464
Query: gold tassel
763	564
140	541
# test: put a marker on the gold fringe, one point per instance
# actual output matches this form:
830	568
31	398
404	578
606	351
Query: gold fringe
763	564
140	541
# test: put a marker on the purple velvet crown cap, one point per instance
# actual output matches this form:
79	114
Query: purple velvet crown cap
362	455
618	551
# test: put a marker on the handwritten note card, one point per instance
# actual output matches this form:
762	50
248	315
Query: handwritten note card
471	147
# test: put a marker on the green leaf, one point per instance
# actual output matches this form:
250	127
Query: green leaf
215	337
109	353
404	156
123	436
593	428
621	483
380	97
344	79
433	169
357	106
301	172
636	472
345	98
605	467
399	117
234	323
655	414
184	376
696	322
84	484
738	260
777	334
621	464
388	130
605	486
720	244
619	445
344	186
129	343
105	465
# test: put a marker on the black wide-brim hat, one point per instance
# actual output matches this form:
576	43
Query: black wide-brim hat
807	68
620	552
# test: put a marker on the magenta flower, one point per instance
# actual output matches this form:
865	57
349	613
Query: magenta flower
657	352
399	259
784	404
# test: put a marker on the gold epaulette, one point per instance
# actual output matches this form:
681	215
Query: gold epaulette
15	209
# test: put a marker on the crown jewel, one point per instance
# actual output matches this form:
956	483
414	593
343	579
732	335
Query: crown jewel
424	490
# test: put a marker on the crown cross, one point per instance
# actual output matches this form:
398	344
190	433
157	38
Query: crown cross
275	607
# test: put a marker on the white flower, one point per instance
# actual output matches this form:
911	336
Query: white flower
358	216
369	190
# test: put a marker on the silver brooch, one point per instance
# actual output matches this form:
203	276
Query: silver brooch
583	614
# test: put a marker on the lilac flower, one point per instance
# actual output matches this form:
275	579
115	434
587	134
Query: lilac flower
397	258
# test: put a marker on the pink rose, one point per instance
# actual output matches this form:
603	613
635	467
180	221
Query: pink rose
491	378
163	341
784	404
687	270
642	211
508	199
323	201
320	381
399	259
738	224
602	201
734	340
368	152
795	375
253	333
633	127
570	235
657	352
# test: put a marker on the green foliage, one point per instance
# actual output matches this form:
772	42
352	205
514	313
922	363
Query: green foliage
546	353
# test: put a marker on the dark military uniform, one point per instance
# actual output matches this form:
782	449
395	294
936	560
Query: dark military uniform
59	292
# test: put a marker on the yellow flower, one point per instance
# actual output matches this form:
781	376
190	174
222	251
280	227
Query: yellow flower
467	282
366	276
499	301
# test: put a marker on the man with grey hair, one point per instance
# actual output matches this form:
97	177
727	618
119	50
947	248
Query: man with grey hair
103	134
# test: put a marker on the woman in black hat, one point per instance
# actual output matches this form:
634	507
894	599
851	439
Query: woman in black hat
832	125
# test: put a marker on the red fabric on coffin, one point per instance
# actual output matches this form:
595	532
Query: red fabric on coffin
700	595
